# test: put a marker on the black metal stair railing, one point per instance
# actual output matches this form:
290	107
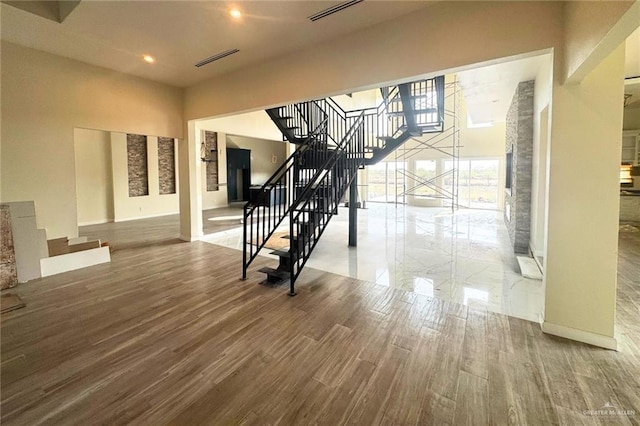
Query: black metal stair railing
271	203
297	121
379	121
334	143
316	206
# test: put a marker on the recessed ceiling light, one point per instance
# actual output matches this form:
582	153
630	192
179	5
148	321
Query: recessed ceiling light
235	14
148	58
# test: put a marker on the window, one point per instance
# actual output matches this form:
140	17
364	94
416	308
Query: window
386	182
425	182
376	176
477	182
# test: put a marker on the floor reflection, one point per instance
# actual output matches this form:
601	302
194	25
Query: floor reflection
462	256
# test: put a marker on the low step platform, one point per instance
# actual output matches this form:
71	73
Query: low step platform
529	268
274	276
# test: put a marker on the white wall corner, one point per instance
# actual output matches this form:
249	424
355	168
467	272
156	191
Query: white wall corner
190	239
594	339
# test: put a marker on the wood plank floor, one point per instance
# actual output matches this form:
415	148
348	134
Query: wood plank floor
167	334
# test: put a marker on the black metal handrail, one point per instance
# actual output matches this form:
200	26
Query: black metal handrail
272	202
316	205
334	144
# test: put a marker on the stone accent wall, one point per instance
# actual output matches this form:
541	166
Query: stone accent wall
8	272
137	165
211	146
519	141
166	165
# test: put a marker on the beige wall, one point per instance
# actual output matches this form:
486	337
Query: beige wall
256	124
154	204
588	41
262	168
94	179
541	136
437	38
582	237
44	97
262	153
102	180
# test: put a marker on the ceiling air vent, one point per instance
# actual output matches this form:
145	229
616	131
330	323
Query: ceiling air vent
334	9
216	57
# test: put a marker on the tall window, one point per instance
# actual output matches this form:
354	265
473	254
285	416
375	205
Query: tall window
387	182
425	179
377	184
477	182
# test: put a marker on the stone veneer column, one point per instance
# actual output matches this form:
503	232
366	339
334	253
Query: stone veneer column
166	166
137	166
519	141
211	146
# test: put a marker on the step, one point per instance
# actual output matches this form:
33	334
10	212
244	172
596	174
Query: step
415	111
415	132
281	253
274	276
286	259
529	268
413	97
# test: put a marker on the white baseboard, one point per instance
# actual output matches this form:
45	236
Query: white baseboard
126	219
594	339
190	239
95	222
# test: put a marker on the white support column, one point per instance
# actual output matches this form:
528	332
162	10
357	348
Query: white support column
190	183
583	205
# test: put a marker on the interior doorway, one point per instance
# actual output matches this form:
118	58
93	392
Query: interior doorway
238	174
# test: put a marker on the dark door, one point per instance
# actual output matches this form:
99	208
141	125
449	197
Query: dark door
238	174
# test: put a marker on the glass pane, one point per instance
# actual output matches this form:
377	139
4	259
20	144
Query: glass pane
425	182
483	184
459	177
376	181
396	178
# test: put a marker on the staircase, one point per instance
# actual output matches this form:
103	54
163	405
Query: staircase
332	144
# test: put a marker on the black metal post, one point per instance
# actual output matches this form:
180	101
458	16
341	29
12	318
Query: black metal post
353	212
244	243
293	255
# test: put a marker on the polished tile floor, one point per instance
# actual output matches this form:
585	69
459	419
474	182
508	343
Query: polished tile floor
462	257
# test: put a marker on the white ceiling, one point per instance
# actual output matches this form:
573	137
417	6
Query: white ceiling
632	69
488	91
115	34
632	55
